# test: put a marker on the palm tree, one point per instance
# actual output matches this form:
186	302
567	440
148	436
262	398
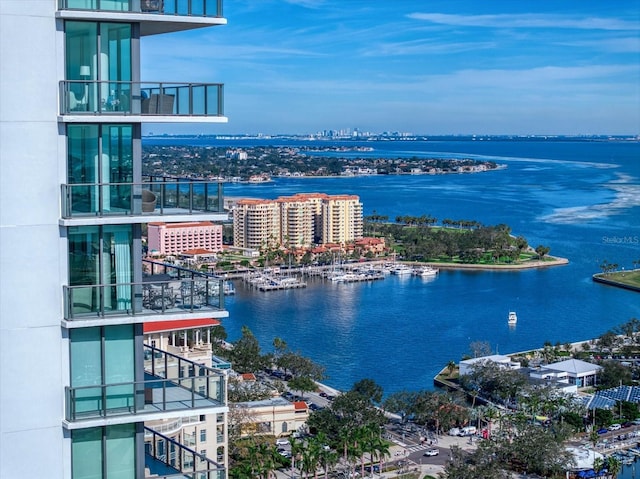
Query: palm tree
451	367
296	450
613	466
327	458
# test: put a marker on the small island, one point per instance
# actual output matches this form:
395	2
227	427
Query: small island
463	244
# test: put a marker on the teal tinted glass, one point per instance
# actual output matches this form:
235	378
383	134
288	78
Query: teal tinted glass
86	454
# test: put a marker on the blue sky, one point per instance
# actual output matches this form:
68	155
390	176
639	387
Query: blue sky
428	67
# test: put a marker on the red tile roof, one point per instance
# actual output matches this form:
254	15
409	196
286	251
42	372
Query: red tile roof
178	324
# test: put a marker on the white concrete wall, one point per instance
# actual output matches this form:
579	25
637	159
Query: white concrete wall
33	357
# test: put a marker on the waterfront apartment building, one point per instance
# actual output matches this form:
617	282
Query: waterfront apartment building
256	224
80	391
175	238
341	219
297	221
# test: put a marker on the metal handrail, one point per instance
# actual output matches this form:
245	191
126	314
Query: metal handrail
139	298
117	98
202	466
199	8
131	397
171	196
132	401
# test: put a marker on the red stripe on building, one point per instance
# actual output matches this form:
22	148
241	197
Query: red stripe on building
178	325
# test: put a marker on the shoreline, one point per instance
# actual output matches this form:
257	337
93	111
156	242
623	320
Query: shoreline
602	278
556	261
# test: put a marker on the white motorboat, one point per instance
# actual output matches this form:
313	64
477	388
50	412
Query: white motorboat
513	317
426	271
401	270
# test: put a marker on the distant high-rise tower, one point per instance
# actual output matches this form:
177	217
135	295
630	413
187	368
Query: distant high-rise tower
79	390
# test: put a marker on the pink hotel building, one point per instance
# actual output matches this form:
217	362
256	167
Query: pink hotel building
176	238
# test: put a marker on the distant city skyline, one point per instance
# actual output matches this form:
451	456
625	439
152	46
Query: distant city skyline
436	68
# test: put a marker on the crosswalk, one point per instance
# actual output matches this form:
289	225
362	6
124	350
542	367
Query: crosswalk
413	447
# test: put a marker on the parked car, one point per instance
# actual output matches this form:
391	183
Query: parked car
468	431
615	427
603	431
431	452
282	441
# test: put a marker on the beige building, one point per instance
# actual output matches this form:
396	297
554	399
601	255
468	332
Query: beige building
341	219
269	417
297	221
176	238
256	224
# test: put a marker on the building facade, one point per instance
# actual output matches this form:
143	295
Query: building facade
256	224
78	386
341	219
269	417
297	221
176	238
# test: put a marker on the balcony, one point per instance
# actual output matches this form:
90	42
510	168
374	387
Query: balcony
166	458
200	8
126	102
165	290
149	200
154	16
171	384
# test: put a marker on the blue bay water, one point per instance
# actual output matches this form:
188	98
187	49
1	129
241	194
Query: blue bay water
582	199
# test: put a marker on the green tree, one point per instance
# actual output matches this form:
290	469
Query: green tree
613	374
302	384
401	403
368	389
613	466
245	354
541	251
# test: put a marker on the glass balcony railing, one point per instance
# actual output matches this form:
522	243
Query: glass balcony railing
172	383
166	458
122	98
157	294
156	197
191	8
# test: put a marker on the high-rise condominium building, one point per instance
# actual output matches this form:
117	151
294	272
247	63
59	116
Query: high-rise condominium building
297	221
171	239
256	224
341	219
79	389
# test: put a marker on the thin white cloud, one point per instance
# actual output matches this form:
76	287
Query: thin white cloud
611	45
422	47
528	20
307	3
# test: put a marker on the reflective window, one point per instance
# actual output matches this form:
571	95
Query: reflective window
104	452
99	168
98	63
100	257
101	356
